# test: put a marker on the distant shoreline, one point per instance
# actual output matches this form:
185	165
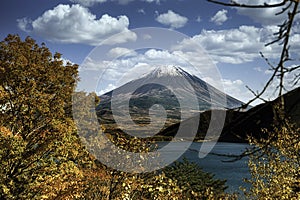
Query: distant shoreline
168	139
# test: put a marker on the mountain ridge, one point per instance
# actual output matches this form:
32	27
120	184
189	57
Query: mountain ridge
239	125
172	71
181	94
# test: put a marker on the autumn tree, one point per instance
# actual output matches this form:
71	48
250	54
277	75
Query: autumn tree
275	169
40	153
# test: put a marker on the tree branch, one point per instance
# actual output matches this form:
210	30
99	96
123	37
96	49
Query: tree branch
235	4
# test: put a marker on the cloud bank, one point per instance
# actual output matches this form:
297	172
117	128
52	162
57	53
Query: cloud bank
89	3
76	24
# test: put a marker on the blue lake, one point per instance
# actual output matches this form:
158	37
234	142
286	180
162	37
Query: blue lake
233	172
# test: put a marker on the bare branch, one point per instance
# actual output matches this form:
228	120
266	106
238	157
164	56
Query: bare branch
258	95
296	79
283	35
285	9
255	94
267	60
284	54
235	4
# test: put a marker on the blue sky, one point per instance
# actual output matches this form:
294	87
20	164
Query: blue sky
231	37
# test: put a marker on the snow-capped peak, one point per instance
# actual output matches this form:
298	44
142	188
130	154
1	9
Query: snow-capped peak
167	70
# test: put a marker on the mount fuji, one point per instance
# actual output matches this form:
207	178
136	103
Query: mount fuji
178	92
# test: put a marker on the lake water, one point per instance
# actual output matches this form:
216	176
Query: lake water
233	172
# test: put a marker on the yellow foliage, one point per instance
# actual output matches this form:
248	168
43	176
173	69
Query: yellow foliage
275	170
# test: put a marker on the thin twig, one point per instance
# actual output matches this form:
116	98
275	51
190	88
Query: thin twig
235	4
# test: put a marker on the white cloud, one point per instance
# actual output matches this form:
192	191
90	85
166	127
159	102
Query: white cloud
258	69
220	17
120	51
142	11
123	2
67	61
76	24
237	89
198	19
150	1
263	16
272	92
238	45
24	23
110	87
124	69
147	37
89	3
268	72
122	37
295	43
156	54
172	19
227	83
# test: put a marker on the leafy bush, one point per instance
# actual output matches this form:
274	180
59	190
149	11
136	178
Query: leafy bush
275	169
